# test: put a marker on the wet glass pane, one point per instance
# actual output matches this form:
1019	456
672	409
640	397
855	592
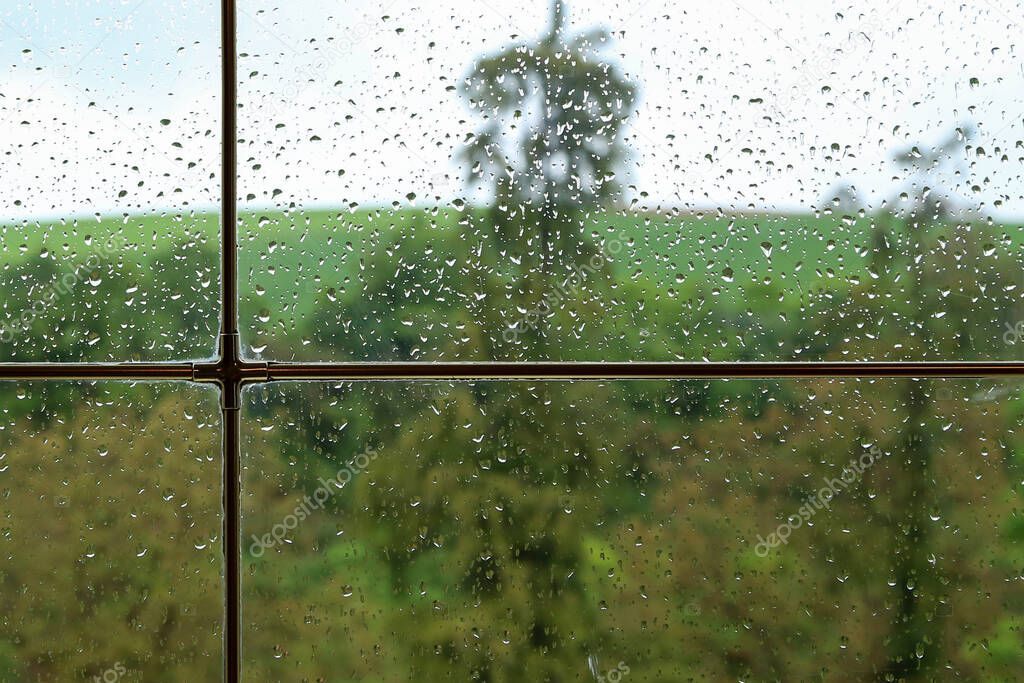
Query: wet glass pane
605	180
109	174
648	531
110	555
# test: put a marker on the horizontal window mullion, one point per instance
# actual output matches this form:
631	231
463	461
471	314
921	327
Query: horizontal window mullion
277	372
90	371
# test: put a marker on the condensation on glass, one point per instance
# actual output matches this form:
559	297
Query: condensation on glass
665	530
624	181
109	173
110	532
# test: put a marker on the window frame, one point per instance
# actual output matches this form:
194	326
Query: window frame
230	371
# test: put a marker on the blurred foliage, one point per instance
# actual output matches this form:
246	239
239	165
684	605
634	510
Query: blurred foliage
531	530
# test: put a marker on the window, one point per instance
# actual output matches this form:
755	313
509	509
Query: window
566	342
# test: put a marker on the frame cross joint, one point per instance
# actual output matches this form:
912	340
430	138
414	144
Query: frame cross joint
230	372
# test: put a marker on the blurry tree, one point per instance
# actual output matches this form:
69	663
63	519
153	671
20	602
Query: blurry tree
109	522
548	152
941	275
494	514
925	197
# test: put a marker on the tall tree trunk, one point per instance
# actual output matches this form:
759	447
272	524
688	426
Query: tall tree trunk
914	639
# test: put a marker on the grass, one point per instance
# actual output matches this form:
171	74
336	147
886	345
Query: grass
293	262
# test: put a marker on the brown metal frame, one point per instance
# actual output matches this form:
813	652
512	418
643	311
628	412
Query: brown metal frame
231	372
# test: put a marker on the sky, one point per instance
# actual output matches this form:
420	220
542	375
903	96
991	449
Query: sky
112	106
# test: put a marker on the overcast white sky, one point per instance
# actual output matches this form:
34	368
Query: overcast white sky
111	106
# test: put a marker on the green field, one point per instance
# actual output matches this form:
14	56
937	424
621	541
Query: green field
518	530
709	285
